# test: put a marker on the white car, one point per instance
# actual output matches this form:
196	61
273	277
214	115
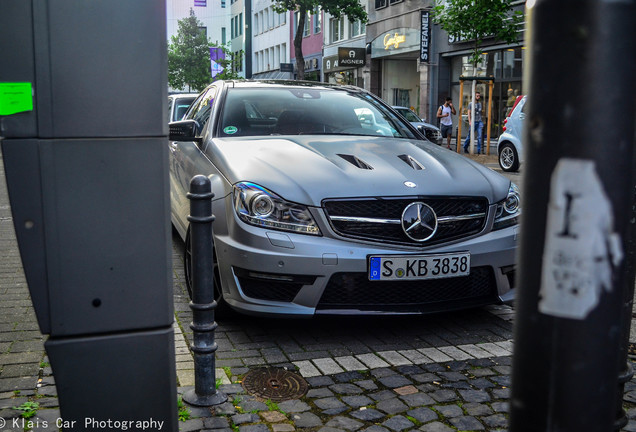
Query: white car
509	146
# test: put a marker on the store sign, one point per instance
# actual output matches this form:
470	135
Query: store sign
355	57
396	41
393	40
425	36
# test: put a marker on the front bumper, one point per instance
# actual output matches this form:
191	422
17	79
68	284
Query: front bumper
266	272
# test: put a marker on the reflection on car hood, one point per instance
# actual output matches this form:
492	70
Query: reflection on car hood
307	169
426	125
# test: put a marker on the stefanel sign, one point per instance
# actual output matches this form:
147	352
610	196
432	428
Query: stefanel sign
352	57
425	36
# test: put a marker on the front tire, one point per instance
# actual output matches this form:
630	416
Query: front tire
222	307
508	157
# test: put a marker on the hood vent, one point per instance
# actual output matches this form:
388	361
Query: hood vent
412	162
356	161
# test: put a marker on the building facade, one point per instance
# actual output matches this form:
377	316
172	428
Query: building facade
344	48
270	47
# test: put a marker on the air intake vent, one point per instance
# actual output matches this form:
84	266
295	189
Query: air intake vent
356	161
411	162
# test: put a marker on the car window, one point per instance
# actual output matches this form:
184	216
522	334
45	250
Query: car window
169	108
201	108
181	105
409	115
300	110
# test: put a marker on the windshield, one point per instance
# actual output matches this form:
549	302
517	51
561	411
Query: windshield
409	115
306	111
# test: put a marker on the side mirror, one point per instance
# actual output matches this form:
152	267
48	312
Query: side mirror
184	130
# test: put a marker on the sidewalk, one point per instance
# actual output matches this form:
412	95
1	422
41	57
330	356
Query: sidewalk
459	381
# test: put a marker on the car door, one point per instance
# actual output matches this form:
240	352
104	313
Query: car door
187	158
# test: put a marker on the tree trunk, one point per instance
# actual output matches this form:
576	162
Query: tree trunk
298	43
472	113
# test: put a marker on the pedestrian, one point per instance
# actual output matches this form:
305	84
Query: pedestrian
478	126
444	113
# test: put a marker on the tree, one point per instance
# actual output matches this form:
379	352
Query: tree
189	56
476	20
352	9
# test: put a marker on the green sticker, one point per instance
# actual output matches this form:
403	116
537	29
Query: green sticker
230	130
15	98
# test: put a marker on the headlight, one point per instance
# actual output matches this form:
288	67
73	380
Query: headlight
508	210
258	206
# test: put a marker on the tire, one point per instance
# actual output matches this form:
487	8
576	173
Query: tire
508	157
222	307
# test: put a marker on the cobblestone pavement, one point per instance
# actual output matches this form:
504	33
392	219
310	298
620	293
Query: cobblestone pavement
442	372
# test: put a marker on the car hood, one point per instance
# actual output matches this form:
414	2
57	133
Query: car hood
426	125
307	169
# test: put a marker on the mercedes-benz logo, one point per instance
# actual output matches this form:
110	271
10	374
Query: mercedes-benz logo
419	221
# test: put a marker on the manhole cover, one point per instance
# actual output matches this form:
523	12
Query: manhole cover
275	384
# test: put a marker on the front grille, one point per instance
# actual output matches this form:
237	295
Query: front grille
451	213
356	291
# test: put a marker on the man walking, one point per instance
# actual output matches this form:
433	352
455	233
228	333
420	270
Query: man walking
446	121
478	126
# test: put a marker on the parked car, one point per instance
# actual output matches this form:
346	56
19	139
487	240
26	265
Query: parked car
178	104
431	132
328	202
509	145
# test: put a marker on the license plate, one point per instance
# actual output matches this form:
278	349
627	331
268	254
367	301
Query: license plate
419	267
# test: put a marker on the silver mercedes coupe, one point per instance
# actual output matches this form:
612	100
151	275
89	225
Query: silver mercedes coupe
329	202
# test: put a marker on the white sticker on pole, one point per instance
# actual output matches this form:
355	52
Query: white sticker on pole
581	250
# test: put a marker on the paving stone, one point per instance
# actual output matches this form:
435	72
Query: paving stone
307	368
383	372
254	428
457	385
368	414
319	393
345	389
452	376
449	410
350	363
394	381
216	423
392	406
272	416
226	408
283	427
383	395
501	393
475	395
457	366
398	423
435	355
415	356
344	423
239	419
455	353
306	419
293	406
372	361
320	381
501	407
406	390
335	411
444	395
467	423
482	372
417	399
425	377
475	351
250	406
329	403
348	376
481	383
394	358
231	389
328	366
357	401
495	349
367	384
436	427
422	414
410	369
375	428
495	420
191	425
477	409
330	429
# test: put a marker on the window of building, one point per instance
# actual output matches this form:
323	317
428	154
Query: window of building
317	16
240	29
223	36
204	30
222	3
256	24
379	4
357	28
336	29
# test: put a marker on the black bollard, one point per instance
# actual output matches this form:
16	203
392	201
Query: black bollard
202	304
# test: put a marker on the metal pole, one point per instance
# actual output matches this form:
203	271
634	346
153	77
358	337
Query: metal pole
578	193
459	116
490	86
202	304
